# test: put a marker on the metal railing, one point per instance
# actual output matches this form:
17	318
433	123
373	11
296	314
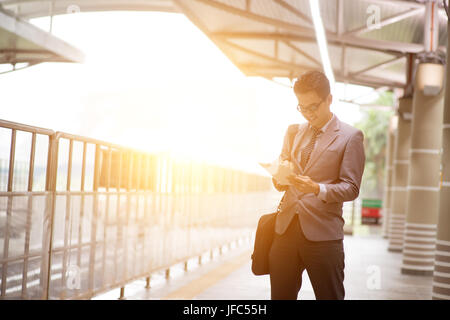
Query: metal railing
80	216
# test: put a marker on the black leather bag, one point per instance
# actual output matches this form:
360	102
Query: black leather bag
263	242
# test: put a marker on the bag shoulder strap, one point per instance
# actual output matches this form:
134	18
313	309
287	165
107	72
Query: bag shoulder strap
292	132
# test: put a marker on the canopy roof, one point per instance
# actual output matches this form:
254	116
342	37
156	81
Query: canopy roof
276	38
21	42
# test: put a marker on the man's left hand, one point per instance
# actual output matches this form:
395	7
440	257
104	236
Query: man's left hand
304	184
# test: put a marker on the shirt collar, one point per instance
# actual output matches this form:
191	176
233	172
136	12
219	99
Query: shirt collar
325	126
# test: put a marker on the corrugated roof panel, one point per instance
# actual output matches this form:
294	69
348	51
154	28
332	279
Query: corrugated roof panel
394	72
409	30
328	12
263	47
242	57
443	29
335	54
274	10
357	12
288	54
309	47
218	20
359	59
302	6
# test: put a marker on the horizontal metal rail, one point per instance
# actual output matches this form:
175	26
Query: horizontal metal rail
24	127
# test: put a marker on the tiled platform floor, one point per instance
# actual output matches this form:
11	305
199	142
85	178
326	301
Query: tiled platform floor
229	276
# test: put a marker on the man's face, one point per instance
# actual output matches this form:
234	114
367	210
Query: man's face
311	100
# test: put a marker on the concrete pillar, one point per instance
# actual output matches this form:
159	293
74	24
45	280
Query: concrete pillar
423	179
388	177
400	178
441	275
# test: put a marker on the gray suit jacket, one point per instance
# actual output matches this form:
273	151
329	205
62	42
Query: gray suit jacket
336	161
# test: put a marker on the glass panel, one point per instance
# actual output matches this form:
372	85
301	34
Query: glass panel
86	220
40	163
59	222
34	283
5	149
63	161
18	226
77	165
90	166
22	161
3	221
14	279
37	222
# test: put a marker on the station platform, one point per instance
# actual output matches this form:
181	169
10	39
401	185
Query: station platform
371	273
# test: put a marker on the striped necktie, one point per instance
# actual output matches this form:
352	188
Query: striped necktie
306	152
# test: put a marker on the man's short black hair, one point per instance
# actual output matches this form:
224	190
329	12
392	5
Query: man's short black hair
313	80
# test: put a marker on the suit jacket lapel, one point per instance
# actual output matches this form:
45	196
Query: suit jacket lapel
295	145
325	140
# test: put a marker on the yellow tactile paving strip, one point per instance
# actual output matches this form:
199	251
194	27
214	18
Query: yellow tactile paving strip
194	288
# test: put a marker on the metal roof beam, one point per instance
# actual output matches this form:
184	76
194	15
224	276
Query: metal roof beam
277	65
31	8
269	58
264	70
369	81
395	48
374	44
56	48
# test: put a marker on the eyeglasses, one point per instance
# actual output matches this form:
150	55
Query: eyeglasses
310	108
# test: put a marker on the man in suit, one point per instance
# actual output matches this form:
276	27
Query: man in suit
328	158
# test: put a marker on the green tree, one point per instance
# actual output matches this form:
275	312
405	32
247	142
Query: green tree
374	124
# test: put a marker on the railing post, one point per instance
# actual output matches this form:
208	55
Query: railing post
52	168
12	153
29	213
122	293
93	244
167	273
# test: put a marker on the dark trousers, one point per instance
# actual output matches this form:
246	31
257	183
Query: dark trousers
291	253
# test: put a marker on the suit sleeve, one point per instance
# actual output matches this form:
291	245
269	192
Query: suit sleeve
284	156
350	173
